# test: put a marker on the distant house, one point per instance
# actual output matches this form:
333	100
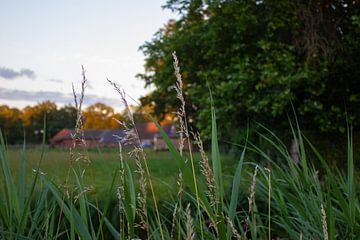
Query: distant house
92	137
112	137
148	133
160	144
148	130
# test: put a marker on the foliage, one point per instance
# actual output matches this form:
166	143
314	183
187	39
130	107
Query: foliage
259	57
33	120
11	124
30	120
100	116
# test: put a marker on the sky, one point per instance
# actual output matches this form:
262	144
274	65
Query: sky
43	44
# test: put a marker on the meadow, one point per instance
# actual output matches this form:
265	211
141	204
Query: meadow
261	191
104	163
112	196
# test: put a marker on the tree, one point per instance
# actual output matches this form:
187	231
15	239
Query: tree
140	113
101	116
11	125
259	58
34	118
65	118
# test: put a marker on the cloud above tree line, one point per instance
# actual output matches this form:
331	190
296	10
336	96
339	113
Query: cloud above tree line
57	97
9	74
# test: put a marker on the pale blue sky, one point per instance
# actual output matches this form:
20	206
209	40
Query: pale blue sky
44	42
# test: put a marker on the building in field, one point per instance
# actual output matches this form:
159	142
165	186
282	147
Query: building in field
148	134
160	144
92	137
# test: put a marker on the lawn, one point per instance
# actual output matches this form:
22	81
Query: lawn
280	190
104	163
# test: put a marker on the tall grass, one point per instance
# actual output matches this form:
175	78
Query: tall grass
285	199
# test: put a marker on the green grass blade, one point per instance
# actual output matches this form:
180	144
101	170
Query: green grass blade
179	159
186	172
21	175
12	202
235	190
350	179
81	197
111	228
26	210
107	204
215	158
69	211
330	217
130	199
37	211
216	163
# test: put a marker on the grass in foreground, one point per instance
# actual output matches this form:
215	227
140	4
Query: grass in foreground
100	172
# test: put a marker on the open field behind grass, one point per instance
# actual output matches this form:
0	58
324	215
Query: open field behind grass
104	163
294	191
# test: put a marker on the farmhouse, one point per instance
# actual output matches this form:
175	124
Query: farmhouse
148	133
150	136
92	137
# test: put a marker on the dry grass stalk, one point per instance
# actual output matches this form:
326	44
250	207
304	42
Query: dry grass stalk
120	197
139	154
77	139
142	195
180	183
78	135
189	224
235	233
251	197
132	138
83	192
324	223
184	130
181	113
206	170
173	221
120	193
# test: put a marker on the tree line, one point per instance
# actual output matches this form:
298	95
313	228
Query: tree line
262	60
15	124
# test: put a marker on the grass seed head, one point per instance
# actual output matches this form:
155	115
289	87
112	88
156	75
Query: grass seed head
189	224
206	170
324	222
251	197
235	233
181	113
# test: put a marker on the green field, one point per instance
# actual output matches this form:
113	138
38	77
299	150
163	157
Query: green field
104	163
263	188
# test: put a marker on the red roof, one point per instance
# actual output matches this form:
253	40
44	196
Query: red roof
63	134
145	130
148	130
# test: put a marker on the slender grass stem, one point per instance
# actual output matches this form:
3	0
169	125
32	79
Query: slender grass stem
196	189
154	198
269	205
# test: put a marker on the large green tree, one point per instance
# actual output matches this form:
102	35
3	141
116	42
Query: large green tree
11	124
101	116
259	57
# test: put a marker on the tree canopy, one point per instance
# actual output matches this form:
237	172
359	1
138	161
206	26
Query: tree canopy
259	58
101	116
14	123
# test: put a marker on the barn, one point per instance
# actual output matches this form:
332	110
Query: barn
92	138
148	134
